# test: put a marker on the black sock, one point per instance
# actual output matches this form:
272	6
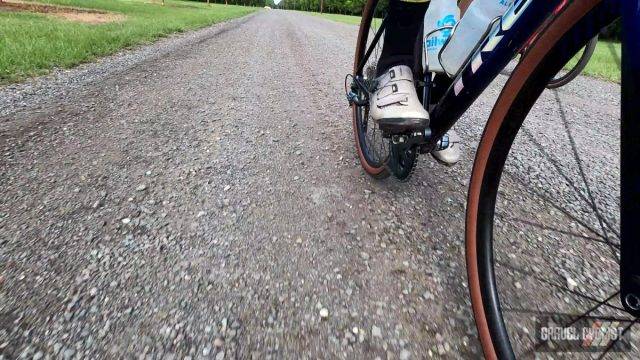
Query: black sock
403	31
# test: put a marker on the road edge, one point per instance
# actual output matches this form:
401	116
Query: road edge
59	82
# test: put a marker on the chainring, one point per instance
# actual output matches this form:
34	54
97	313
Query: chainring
402	160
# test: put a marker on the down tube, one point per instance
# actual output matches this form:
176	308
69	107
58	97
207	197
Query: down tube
507	37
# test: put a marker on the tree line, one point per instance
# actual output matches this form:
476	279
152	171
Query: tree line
347	7
354	7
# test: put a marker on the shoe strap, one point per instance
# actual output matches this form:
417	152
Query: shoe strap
397	73
391	83
391	99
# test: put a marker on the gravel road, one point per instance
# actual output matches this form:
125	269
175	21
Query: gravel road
201	197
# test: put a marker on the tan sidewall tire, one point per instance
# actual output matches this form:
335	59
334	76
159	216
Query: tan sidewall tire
530	60
381	171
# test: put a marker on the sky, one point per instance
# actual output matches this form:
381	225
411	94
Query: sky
276	2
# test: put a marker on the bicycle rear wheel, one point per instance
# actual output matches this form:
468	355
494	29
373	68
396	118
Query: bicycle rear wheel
541	249
372	148
573	73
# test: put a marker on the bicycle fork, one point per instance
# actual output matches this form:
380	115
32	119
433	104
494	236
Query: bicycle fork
630	161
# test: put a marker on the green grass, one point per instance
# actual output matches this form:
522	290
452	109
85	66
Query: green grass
605	62
32	44
347	19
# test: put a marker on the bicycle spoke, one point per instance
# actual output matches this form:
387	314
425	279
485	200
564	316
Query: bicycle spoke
614	54
585	181
564	232
558	169
539	343
561	287
552	313
614	342
594	308
551	203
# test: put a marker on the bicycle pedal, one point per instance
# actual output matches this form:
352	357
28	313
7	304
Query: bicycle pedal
399	139
409	139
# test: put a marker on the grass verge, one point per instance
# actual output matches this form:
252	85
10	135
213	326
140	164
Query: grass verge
347	19
33	43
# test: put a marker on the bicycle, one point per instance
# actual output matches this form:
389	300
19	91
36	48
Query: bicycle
554	30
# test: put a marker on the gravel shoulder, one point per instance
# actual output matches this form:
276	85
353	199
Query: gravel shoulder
201	197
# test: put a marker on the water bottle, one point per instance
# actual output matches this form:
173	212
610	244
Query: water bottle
439	14
473	25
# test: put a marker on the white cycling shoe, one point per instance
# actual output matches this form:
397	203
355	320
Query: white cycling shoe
448	150
395	105
396	108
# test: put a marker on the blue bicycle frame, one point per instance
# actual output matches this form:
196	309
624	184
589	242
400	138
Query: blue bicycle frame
507	36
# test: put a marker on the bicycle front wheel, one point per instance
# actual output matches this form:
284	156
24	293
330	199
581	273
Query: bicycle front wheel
542	225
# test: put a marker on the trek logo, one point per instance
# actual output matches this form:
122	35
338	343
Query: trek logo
508	19
506	22
513	14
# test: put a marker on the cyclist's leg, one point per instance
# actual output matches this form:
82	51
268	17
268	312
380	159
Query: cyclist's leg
395	104
403	32
404	27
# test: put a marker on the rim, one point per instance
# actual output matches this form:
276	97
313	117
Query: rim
567	77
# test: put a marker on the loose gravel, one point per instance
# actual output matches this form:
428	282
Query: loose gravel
201	198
